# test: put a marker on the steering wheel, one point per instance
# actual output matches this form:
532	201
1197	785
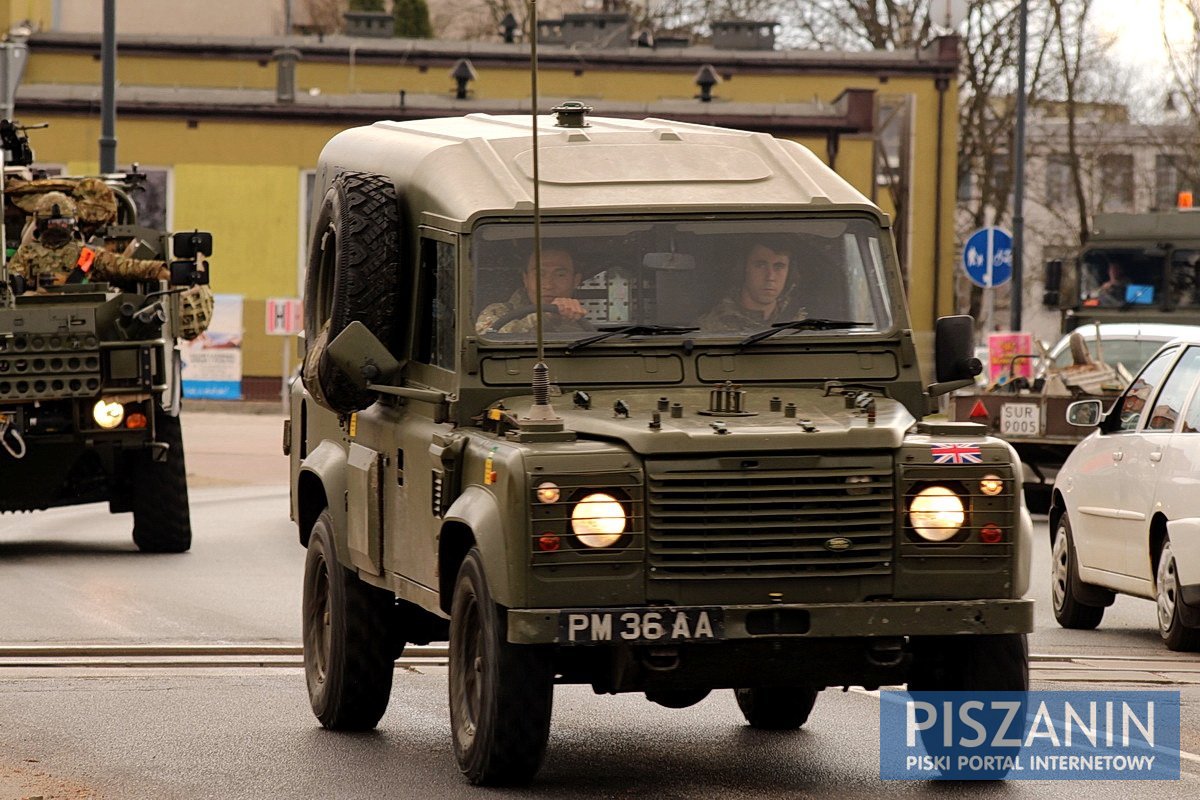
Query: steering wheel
520	313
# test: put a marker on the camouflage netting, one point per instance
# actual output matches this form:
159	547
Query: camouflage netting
195	311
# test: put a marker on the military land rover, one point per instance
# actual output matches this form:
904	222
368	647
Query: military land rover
89	370
686	499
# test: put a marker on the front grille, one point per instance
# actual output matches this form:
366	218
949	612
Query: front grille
770	517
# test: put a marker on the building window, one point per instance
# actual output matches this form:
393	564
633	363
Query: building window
1001	182
1116	182
1058	179
1166	182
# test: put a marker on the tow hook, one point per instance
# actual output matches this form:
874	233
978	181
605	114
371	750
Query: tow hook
886	652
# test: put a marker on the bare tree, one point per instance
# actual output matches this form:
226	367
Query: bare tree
326	15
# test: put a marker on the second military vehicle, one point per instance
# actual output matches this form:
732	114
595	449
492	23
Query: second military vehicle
89	371
717	479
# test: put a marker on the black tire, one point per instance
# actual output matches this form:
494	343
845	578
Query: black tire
350	644
162	520
1069	610
1171	627
353	275
501	694
972	663
776	708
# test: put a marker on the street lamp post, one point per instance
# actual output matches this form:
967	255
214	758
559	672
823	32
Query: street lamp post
1018	293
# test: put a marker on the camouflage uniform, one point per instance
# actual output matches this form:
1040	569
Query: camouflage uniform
554	323
728	316
35	259
95	203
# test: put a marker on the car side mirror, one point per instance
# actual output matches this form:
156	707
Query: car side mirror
954	354
1085	413
187	244
186	273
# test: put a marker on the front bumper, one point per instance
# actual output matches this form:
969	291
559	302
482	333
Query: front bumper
818	621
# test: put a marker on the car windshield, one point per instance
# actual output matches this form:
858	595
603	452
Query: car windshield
1129	278
1130	353
724	278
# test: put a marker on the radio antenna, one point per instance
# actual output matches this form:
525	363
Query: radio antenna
541	411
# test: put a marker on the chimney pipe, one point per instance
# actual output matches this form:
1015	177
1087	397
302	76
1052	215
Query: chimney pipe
285	77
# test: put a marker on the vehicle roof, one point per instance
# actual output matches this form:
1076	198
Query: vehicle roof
461	167
1138	331
1108	230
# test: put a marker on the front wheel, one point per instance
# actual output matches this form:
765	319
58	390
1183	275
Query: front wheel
1171	627
501	693
1069	610
776	708
159	494
349	638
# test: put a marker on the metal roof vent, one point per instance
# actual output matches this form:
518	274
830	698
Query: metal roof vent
571	114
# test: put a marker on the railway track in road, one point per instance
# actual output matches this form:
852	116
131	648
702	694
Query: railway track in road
191	656
1057	667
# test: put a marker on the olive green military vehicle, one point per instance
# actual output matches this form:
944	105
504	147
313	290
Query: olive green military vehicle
90	372
688	501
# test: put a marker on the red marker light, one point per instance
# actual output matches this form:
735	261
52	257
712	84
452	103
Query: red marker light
549	542
978	410
135	421
991	533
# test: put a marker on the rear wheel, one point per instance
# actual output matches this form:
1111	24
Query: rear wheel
350	640
1171	627
501	693
776	708
159	495
1069	610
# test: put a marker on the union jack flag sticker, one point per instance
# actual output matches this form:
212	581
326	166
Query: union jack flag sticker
958	453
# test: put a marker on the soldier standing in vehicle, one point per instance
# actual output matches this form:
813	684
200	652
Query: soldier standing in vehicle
764	294
56	255
563	311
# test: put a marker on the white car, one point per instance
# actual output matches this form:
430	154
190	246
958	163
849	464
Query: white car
1127	343
1125	514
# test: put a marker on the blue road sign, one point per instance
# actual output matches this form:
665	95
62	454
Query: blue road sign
987	257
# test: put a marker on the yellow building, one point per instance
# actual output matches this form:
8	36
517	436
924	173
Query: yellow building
232	133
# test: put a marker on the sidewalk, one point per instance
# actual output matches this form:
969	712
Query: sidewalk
234	444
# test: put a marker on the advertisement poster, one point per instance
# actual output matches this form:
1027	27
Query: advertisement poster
212	362
1001	349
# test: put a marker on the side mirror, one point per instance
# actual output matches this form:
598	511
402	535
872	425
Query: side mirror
185	273
187	244
362	357
1085	413
1052	281
954	354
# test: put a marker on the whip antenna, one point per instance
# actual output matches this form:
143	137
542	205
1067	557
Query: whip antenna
541	411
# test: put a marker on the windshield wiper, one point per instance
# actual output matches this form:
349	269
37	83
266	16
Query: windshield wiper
810	324
610	331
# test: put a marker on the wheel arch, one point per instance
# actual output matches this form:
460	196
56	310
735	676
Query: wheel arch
319	484
1058	507
475	520
1156	537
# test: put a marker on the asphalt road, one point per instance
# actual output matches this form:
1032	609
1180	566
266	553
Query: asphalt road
192	723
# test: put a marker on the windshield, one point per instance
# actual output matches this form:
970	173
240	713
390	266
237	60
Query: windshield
1129	278
726	278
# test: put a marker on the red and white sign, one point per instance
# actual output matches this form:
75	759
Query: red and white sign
285	316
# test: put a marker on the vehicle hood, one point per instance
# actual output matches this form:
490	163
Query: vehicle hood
820	422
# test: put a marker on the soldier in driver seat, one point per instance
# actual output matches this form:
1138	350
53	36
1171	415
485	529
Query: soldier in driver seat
562	312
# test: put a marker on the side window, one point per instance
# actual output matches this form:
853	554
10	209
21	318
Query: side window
1143	388
1169	404
435	334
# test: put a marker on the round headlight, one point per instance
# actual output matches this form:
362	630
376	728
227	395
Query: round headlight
598	520
108	415
991	485
548	492
936	513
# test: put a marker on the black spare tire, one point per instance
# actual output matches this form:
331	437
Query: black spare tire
353	276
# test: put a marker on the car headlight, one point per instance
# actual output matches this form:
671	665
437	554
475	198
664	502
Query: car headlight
108	414
598	520
936	513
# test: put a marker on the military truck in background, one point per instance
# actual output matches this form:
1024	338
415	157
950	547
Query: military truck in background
90	373
1134	268
672	507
